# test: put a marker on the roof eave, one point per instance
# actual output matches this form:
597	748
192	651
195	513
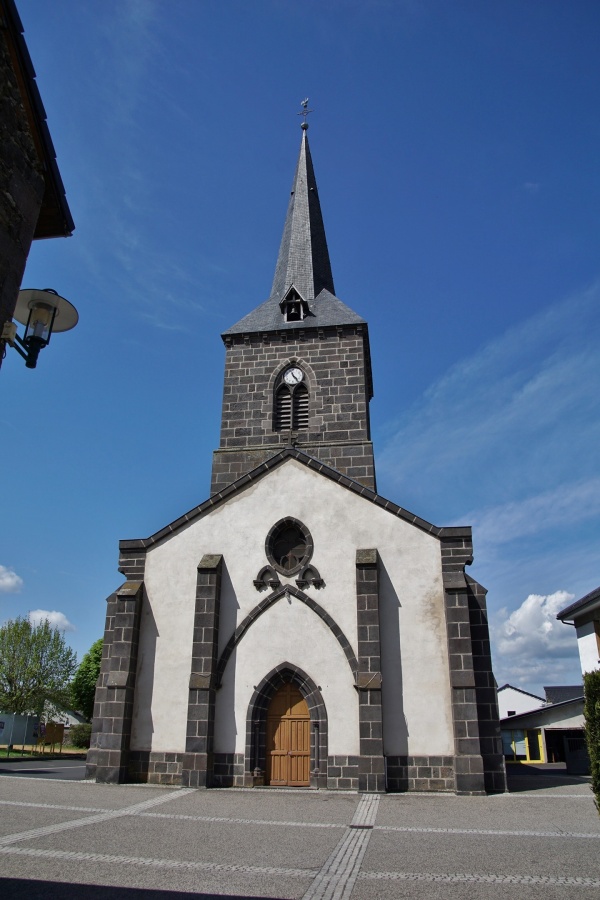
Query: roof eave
55	219
581	607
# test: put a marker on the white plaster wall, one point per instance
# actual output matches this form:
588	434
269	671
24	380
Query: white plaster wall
510	698
288	631
552	717
417	712
164	664
587	643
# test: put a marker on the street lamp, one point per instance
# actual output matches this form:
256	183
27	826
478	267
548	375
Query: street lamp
42	313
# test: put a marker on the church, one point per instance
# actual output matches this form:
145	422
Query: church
297	628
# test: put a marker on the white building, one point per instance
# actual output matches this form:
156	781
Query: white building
512	701
584	614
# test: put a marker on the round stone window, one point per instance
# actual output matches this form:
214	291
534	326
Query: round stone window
289	546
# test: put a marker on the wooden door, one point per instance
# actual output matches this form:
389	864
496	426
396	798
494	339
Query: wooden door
288	738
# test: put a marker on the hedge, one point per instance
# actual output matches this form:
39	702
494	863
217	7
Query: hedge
591	712
80	736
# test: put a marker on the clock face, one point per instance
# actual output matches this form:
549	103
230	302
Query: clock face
293	376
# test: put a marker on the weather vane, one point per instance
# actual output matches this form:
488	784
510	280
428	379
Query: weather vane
305	112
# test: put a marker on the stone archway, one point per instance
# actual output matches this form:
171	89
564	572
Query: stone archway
256	724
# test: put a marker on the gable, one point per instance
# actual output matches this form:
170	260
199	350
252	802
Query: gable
339	521
243	483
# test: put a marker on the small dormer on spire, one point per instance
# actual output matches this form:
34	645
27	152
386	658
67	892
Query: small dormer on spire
293	306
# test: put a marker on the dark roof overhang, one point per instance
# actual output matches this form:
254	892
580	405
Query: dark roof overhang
55	218
588	604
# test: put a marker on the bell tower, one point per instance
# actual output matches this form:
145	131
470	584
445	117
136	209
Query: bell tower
298	367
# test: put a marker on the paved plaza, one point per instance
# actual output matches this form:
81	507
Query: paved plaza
76	839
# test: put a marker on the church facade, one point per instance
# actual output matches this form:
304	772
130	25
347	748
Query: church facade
297	628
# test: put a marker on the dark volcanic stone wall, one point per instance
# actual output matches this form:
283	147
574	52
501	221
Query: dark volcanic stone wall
335	362
21	186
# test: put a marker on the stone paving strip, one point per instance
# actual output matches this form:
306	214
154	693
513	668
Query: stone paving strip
156	863
53	806
278	822
490	831
335	888
539	796
33	833
336	879
356	822
475	878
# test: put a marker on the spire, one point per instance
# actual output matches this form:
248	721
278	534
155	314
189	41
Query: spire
303	259
303	284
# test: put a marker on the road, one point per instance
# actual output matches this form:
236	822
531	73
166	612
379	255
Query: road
71	769
73	839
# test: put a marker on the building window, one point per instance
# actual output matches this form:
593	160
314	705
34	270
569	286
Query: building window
523	745
289	546
291	406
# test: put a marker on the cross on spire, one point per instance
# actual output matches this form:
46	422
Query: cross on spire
305	112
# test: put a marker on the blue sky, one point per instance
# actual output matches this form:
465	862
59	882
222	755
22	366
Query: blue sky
456	151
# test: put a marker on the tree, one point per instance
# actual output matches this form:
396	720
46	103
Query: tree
83	686
591	712
36	666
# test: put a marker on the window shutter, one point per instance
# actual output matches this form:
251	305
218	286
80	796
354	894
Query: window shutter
300	408
283	409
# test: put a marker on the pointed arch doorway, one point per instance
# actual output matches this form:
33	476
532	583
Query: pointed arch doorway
288	738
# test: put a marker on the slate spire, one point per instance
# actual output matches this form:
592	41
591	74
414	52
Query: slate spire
303	259
303	266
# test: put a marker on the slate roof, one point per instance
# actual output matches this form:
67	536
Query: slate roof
303	262
325	310
561	693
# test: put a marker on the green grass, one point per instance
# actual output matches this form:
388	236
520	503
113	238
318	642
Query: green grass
37	754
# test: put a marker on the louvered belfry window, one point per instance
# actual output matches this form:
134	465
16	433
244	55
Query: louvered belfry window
283	408
300	408
291	408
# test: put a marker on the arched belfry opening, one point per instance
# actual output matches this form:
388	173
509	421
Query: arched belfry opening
291	401
286	731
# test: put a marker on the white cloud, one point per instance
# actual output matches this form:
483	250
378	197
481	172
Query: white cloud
56	619
533	628
532	648
10	582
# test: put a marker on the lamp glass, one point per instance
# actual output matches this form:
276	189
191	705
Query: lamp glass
40	322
